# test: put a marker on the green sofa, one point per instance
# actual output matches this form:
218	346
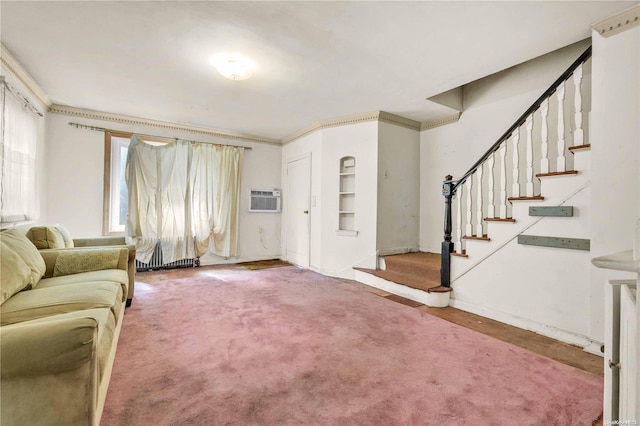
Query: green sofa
61	311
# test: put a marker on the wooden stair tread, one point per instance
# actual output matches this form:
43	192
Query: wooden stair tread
580	147
499	219
568	172
534	198
413	281
463	254
473	237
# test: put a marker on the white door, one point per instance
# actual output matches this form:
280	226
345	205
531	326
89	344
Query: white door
298	199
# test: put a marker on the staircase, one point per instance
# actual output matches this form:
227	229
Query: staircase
514	247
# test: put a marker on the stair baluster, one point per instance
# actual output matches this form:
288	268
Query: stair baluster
491	206
457	244
515	141
544	113
561	161
479	201
529	191
578	134
503	180
469	228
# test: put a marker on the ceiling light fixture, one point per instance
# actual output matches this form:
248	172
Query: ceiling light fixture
233	67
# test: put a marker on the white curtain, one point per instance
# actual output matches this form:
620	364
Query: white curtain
183	190
18	130
215	173
159	199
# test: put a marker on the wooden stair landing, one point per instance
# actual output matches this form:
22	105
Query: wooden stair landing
417	270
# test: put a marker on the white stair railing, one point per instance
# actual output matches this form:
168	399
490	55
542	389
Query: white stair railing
533	127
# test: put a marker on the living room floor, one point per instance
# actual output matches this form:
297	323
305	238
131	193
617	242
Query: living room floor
545	346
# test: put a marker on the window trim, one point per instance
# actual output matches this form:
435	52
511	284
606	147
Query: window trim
106	217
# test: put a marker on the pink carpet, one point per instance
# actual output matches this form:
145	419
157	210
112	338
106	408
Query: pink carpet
288	346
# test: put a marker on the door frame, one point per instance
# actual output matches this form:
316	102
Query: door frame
290	160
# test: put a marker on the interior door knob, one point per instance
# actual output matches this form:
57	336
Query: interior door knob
306	212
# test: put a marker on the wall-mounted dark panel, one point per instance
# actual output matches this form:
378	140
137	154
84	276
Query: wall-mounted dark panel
556	242
556	211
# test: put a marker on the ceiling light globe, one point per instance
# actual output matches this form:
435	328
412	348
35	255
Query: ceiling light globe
233	67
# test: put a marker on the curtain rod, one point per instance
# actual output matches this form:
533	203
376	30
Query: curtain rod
102	129
20	97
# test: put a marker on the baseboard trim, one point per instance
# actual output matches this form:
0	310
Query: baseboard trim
571	338
399	250
233	260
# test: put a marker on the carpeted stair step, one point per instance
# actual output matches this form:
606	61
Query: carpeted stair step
419	264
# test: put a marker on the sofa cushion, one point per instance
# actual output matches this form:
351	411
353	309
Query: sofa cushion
75	261
66	235
15	275
45	302
115	275
45	237
20	244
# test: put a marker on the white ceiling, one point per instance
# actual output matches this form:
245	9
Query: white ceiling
315	60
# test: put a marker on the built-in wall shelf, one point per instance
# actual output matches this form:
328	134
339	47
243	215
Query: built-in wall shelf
347	197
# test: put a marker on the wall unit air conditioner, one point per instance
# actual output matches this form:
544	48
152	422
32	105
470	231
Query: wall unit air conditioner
264	201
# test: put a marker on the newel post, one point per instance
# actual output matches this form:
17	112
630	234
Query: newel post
447	245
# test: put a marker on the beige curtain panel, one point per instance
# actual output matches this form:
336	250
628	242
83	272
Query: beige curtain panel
215	174
184	196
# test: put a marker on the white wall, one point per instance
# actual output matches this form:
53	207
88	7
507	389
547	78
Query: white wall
340	253
387	193
75	183
491	106
615	129
398	188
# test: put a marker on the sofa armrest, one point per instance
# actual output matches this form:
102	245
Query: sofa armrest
91	258
44	348
114	241
49	372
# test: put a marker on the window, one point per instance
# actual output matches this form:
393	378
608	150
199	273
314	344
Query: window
115	188
19	130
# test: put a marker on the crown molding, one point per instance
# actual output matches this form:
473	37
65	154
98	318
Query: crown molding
453	118
398	120
12	65
619	22
332	122
380	116
125	119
